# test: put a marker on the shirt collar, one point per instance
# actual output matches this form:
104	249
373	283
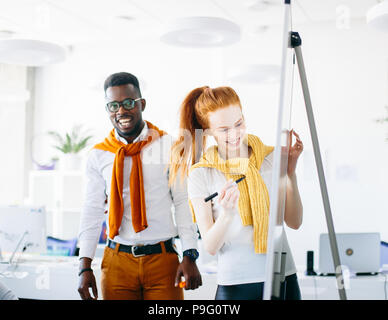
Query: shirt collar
143	134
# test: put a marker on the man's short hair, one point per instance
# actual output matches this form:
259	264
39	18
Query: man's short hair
122	78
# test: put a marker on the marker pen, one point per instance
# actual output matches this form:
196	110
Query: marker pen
215	194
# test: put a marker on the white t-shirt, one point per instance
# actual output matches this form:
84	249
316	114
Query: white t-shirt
237	261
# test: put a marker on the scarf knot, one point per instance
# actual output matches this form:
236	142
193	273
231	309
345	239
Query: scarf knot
136	186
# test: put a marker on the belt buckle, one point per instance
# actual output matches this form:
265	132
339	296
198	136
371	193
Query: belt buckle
133	248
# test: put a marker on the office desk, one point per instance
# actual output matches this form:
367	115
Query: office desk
373	287
56	278
45	277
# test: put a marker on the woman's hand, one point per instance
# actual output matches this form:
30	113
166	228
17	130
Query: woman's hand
229	195
294	153
214	231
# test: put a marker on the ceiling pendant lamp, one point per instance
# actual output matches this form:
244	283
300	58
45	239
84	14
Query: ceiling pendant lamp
29	52
377	16
255	74
201	32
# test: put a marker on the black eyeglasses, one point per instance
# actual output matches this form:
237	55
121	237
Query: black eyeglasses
128	104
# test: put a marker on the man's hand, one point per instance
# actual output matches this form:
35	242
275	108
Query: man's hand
188	269
86	281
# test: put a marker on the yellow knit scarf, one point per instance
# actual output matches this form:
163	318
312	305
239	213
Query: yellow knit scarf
253	203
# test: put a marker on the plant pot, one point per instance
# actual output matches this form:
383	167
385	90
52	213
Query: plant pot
71	161
46	167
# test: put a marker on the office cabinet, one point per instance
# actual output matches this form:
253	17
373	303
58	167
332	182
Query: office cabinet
61	192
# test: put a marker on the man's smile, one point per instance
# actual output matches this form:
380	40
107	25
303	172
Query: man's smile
124	122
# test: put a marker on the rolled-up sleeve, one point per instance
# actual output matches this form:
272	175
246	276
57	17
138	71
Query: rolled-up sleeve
187	229
93	209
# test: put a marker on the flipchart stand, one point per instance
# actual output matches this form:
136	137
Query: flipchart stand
277	263
296	43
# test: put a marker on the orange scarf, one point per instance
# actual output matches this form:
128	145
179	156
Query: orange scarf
136	187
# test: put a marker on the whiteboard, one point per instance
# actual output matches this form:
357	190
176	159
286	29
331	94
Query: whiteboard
279	174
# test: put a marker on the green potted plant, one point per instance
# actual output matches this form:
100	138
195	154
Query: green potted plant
70	146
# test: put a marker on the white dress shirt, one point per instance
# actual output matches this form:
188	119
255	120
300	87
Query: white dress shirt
161	200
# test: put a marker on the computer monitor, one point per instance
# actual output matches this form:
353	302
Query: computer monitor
22	228
359	252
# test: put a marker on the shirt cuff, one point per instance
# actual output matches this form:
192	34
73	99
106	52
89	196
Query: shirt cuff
189	244
87	249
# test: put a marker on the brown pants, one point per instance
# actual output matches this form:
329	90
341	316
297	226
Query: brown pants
150	277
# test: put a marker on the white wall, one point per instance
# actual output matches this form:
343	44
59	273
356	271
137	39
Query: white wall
347	74
13	98
347	71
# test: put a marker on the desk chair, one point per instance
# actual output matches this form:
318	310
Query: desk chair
384	253
103	236
59	247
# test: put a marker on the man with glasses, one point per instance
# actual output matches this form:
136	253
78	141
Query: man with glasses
127	179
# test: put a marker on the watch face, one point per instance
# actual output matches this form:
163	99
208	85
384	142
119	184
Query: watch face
193	254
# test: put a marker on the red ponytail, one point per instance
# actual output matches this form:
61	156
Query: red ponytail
186	150
194	111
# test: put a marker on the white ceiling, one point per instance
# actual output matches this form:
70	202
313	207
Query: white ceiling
73	22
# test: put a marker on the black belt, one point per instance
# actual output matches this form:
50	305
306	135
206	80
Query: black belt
139	251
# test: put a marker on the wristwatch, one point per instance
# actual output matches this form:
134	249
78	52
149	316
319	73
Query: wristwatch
193	254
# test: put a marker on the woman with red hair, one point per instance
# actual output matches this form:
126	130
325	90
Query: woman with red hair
233	225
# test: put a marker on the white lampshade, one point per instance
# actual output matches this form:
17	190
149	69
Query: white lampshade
254	74
30	52
201	32
377	16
